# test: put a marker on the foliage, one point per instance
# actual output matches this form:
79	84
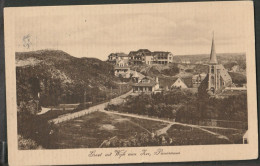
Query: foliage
172	71
33	127
185	106
61	78
229	65
189	70
27	144
238	78
139	139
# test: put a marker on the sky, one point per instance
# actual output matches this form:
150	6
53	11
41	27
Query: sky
97	31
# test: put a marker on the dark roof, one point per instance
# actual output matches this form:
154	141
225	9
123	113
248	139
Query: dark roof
164	82
132	52
160	52
224	73
169	81
151	83
144	50
119	54
187	81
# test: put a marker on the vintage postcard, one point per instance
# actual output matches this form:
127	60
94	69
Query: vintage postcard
131	83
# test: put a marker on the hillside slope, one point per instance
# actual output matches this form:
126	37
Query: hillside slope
62	78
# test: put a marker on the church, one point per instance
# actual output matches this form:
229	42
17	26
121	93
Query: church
217	78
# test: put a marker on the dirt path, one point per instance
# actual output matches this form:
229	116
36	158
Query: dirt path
101	106
164	130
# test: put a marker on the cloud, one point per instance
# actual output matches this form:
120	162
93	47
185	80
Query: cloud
180	29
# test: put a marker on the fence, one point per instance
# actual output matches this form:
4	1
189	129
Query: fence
71	116
78	114
217	123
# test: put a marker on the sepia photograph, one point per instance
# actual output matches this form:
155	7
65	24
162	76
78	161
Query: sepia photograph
137	75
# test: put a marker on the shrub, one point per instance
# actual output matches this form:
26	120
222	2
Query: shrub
36	128
27	144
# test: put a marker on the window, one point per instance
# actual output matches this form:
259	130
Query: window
212	80
212	69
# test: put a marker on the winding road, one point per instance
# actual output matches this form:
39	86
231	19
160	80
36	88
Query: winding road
164	130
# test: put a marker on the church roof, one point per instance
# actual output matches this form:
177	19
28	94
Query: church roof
213	56
224	73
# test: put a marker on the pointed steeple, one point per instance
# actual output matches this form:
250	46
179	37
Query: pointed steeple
213	57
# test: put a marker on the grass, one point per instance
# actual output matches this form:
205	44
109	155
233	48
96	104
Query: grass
235	136
185	135
89	132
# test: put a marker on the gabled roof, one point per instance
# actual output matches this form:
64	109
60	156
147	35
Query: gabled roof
187	81
224	73
170	81
160	53
167	81
122	61
120	54
132	53
151	83
144	50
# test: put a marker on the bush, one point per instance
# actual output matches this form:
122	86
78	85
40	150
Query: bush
172	71
27	144
189	70
139	139
36	128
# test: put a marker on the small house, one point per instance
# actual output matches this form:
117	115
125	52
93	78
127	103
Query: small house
146	84
180	83
122	72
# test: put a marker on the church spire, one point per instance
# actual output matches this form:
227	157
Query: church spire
213	57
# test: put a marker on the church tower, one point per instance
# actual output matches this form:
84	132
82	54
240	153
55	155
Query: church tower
214	75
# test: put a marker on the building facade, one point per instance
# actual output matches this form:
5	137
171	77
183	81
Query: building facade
197	79
145	56
160	57
122	71
138	57
147	85
115	58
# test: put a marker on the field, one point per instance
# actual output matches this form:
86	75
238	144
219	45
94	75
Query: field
90	131
185	135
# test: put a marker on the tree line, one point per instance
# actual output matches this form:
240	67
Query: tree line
183	105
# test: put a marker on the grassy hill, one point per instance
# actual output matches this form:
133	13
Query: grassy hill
62	78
